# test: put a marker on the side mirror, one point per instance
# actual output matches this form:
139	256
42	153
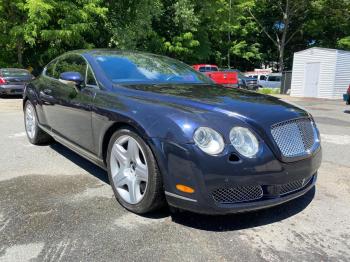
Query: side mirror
74	77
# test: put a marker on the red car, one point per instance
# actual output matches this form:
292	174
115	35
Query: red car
228	79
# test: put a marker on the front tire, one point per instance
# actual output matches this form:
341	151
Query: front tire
35	134
133	172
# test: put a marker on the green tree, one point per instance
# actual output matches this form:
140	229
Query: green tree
49	26
130	22
233	33
280	21
329	25
207	31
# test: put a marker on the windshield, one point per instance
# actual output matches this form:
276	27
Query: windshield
14	73
138	68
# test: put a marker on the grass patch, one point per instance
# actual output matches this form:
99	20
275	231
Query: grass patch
269	91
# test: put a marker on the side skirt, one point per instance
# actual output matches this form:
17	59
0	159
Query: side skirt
77	149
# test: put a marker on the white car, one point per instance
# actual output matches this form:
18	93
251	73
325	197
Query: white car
270	81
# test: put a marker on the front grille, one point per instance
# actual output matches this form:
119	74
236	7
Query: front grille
237	194
251	82
297	137
294	186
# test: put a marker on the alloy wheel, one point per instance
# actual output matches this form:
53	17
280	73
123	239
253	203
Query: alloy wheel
129	169
30	121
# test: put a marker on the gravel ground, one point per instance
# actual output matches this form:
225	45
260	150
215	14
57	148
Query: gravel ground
56	206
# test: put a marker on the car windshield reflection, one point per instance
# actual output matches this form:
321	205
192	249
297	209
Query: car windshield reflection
148	69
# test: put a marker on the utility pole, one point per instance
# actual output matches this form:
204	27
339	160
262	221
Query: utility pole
229	37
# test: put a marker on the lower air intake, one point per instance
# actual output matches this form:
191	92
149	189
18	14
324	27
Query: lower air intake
237	194
294	186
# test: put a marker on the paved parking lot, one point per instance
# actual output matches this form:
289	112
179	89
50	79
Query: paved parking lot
56	206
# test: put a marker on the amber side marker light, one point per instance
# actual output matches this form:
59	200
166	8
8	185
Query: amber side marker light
184	188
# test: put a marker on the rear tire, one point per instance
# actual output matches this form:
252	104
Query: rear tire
133	172
35	134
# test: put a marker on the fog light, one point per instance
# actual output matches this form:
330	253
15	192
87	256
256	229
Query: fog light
184	188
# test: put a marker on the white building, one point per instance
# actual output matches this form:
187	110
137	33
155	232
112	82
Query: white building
320	72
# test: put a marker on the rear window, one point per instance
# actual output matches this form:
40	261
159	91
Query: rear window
207	69
14	72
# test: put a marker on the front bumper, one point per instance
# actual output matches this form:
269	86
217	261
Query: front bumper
187	165
11	89
231	85
252	86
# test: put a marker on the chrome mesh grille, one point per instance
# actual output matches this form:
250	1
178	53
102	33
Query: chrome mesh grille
237	194
295	137
251	82
294	186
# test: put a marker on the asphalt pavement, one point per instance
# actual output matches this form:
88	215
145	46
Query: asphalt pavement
56	206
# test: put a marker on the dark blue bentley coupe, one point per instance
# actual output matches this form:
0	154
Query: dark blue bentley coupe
167	134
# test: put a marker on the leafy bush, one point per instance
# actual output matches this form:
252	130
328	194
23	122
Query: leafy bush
269	91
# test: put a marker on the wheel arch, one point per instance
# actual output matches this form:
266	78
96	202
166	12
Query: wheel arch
30	93
25	99
116	126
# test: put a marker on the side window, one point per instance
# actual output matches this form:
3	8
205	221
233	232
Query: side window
274	78
263	78
70	63
50	69
90	79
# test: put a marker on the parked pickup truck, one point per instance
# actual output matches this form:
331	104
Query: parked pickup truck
244	82
271	81
346	96
227	79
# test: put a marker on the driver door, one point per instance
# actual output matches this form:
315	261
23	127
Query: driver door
69	114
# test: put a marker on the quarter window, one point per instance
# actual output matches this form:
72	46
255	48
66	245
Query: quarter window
90	79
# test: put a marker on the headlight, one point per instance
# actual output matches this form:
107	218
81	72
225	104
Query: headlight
244	141
208	140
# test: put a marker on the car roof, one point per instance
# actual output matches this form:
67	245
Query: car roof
199	65
4	70
105	51
17	69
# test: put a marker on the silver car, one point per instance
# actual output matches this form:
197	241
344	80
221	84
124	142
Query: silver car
13	81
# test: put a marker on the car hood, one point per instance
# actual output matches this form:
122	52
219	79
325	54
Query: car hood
248	106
